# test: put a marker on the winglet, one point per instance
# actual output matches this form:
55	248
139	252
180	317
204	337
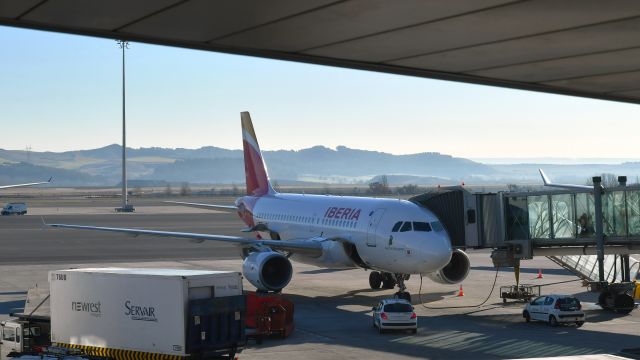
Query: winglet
545	179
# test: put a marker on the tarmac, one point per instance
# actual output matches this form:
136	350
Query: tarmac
333	308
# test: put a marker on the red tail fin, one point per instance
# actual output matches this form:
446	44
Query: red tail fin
255	171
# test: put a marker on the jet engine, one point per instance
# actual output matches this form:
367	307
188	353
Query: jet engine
267	270
455	271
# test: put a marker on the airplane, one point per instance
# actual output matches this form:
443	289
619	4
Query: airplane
22	185
391	237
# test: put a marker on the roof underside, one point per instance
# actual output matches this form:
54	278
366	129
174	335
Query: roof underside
588	48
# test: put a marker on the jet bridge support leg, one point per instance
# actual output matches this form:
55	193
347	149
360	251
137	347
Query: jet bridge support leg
626	271
613	296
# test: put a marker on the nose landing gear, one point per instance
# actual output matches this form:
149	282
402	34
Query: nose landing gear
402	289
389	281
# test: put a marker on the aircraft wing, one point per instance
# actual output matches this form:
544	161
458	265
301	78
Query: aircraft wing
307	246
205	206
28	184
548	183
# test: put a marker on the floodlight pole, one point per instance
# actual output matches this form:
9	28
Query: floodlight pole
125	203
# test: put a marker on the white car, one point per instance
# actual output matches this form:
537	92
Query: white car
555	309
396	314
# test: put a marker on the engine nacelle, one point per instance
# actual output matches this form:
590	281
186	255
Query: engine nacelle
455	271
267	270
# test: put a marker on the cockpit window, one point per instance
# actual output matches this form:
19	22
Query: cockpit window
437	226
421	226
396	227
406	226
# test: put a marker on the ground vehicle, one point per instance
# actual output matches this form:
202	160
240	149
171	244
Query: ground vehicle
396	314
28	331
268	315
135	313
148	312
555	309
14	209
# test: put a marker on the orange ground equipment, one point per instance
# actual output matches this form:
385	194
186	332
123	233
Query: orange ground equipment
268	315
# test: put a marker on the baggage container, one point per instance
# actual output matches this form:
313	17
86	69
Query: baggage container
120	312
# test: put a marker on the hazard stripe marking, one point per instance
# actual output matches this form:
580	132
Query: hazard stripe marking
120	354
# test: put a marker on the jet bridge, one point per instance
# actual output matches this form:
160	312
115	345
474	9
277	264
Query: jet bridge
589	231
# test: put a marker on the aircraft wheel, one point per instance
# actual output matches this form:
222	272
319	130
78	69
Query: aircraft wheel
388	282
623	303
606	300
375	280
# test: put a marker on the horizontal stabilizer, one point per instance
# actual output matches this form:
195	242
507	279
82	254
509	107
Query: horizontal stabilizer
204	206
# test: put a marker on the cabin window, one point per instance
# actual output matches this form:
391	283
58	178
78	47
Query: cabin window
421	226
406	226
396	227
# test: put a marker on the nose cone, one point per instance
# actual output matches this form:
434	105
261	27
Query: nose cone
437	251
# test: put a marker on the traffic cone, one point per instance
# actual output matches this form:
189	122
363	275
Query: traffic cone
461	293
539	274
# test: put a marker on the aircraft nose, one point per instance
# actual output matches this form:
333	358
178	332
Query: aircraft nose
437	251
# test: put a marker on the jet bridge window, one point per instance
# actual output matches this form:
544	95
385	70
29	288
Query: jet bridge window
406	227
562	216
516	218
396	227
633	212
614	214
539	221
421	226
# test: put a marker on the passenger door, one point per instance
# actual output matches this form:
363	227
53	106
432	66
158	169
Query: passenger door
374	219
535	307
547	308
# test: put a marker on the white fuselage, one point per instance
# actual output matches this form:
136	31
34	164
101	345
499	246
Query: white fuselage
366	223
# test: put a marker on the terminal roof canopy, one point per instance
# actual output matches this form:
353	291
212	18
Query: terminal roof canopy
587	48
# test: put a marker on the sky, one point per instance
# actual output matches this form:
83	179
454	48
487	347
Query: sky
62	92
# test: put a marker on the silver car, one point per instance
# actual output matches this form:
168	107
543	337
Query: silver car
394	314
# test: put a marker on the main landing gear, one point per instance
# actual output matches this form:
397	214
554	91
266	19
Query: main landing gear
389	281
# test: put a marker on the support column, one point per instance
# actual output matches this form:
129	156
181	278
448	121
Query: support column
597	196
125	201
624	259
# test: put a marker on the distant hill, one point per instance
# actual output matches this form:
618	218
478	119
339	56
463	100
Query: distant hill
318	164
24	173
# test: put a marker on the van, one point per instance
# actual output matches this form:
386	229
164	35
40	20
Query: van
14	209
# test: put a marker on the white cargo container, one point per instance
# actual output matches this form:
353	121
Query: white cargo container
143	310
